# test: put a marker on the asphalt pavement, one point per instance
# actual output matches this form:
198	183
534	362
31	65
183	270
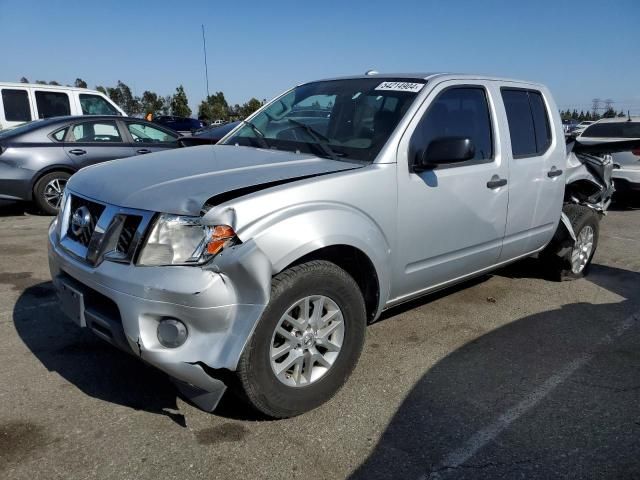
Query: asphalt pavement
507	376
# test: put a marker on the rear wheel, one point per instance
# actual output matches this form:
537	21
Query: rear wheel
48	191
574	261
307	341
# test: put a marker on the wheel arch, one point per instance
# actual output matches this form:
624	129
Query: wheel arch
50	169
357	264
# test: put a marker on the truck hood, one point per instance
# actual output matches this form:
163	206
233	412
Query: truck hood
181	181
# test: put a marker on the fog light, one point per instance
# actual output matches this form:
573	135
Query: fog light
171	332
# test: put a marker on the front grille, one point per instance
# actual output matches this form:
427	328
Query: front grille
102	231
128	233
83	236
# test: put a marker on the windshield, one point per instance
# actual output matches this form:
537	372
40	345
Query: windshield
624	129
350	119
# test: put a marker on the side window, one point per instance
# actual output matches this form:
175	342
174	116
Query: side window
96	105
52	104
540	121
528	119
457	112
143	133
16	105
96	132
60	134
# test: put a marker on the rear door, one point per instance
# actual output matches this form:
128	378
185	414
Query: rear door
537	163
146	138
94	141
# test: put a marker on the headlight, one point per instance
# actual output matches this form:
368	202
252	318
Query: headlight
181	240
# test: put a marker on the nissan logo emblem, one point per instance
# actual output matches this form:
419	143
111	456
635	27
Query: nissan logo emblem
80	220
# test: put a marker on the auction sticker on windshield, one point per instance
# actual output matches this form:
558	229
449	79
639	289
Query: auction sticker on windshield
400	86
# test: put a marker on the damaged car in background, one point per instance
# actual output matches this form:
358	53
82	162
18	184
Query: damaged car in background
255	264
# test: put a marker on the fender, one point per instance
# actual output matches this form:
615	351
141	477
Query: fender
289	234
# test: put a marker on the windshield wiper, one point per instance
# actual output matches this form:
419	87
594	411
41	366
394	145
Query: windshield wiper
321	140
258	132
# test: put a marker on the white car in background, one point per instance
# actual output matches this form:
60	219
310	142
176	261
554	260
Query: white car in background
24	102
578	129
626	163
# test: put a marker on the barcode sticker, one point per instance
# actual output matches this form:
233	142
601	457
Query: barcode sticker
400	86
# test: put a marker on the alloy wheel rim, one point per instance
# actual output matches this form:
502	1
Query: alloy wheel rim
307	341
582	249
53	192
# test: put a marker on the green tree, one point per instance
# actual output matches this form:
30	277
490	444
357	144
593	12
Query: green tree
180	103
250	107
24	80
214	107
609	113
41	82
53	82
621	114
79	83
122	96
100	88
152	103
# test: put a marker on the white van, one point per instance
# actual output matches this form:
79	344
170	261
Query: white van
23	102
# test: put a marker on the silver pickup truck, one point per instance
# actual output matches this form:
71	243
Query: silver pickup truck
256	264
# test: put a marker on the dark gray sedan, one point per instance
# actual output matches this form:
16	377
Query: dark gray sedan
37	158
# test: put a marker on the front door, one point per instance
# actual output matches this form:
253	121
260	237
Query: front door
147	138
451	219
95	141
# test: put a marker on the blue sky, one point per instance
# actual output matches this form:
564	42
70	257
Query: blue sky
581	49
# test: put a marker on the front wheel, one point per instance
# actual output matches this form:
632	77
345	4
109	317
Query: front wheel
307	341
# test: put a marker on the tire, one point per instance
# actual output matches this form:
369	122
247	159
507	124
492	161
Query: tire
326	284
46	187
561	255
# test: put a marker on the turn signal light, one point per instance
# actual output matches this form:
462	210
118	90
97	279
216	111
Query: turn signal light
220	235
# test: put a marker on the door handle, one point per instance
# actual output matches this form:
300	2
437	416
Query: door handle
143	150
554	172
496	182
78	151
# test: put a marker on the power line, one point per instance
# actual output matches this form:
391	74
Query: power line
206	69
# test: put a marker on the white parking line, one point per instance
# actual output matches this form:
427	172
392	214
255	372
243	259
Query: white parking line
487	434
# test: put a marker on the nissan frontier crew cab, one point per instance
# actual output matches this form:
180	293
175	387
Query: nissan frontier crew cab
255	264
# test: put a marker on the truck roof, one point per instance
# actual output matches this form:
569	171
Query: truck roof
434	75
43	86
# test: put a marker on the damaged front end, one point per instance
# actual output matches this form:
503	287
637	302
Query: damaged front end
190	320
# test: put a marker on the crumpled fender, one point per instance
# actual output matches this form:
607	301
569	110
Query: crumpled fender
288	234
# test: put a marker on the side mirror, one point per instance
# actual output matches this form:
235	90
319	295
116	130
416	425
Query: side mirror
445	150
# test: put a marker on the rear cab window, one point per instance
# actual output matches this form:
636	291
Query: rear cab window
52	104
16	105
529	126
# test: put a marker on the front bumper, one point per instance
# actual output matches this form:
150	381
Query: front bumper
219	305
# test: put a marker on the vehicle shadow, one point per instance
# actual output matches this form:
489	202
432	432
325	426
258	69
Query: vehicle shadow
93	366
458	420
16	209
97	368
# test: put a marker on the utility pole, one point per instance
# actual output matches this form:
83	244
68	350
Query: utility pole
595	107
206	70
